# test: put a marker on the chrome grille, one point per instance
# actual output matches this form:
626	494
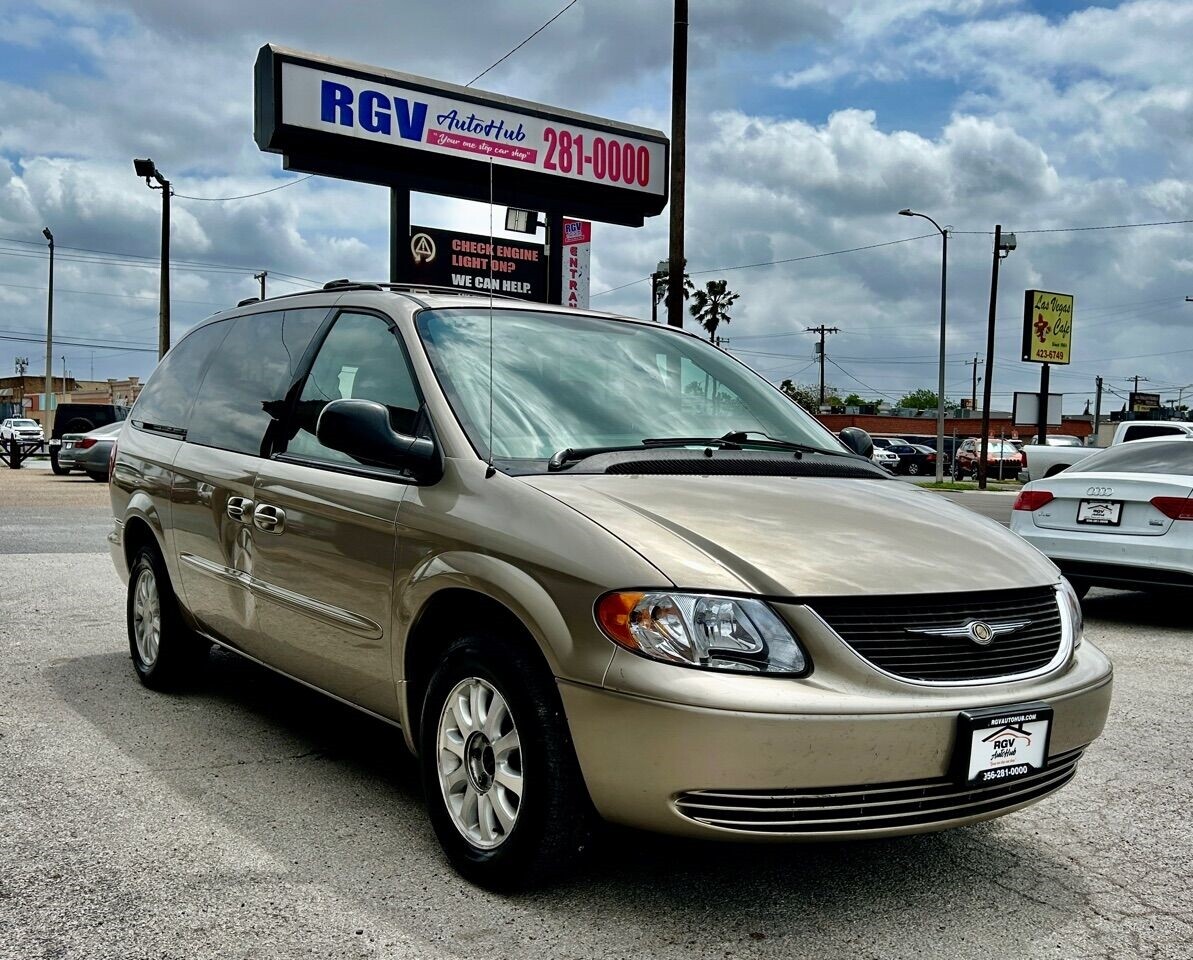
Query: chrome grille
858	809
882	630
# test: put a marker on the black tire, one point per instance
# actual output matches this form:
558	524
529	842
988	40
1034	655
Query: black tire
913	469
58	469
179	652
1080	587
98	477
555	818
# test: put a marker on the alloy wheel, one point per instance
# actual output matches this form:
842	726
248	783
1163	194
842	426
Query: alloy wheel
480	763
147	618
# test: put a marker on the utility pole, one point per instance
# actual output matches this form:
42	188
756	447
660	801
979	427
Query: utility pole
719	341
261	276
47	418
63	359
679	122
973	393
148	169
822	330
1001	248
1097	406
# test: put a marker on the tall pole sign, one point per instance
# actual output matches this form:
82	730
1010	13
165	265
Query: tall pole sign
1047	339
374	125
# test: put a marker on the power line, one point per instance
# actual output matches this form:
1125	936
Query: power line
523	43
1108	226
99	293
245	196
771	263
87	346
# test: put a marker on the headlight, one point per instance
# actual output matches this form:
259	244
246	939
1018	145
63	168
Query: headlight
1073	604
698	630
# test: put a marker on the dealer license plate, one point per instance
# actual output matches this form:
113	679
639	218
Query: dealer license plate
1104	513
999	744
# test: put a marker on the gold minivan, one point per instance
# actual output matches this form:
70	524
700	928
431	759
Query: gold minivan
593	568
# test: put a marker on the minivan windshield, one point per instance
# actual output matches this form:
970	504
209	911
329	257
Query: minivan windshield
567	381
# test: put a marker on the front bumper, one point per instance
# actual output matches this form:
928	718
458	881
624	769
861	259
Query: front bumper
652	763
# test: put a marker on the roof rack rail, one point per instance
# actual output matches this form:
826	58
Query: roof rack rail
412	287
354	284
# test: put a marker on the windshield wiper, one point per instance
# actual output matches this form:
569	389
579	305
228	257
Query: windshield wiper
734	439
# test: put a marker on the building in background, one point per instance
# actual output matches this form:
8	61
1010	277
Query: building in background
25	395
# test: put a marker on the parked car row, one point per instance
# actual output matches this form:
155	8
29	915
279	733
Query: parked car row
911	455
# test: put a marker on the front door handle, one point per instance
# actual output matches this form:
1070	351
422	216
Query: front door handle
269	519
239	509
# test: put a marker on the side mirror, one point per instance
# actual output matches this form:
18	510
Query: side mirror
361	429
857	440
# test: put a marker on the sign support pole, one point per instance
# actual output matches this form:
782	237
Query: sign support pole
554	257
1042	423
984	448
399	232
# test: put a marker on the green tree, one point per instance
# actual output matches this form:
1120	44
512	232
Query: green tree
854	400
710	306
922	399
807	395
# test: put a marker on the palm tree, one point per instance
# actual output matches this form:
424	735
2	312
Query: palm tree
662	281
710	306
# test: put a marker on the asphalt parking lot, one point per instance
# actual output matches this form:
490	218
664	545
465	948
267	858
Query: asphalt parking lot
249	817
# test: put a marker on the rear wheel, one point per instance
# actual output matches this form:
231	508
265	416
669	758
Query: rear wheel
503	787
55	465
164	649
97	477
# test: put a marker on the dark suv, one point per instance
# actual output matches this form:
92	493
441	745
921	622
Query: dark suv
80	418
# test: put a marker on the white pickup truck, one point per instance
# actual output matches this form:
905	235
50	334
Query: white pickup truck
1045	461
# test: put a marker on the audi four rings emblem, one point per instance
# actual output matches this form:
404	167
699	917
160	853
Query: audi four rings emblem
1099	491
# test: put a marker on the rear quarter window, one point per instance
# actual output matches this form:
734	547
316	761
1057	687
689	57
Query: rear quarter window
164	405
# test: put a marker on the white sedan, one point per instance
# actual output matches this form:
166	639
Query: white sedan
1121	518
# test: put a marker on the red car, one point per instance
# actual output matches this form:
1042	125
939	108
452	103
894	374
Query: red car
999	453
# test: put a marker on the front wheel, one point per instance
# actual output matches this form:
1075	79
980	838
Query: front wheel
913	469
505	793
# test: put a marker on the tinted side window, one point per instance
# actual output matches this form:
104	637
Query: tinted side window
1142	432
361	359
245	386
165	403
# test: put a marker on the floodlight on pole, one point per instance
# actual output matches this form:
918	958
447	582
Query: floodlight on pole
944	274
148	170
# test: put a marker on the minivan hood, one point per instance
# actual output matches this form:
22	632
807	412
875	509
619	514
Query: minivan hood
802	536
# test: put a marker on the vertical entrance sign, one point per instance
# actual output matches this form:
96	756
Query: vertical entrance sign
577	262
373	125
1047	339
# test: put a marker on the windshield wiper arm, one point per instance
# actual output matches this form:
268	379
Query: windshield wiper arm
734	439
561	458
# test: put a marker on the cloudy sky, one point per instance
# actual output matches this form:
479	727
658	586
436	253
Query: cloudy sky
811	122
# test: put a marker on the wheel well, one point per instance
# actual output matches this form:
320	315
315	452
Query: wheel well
441	621
137	534
1053	471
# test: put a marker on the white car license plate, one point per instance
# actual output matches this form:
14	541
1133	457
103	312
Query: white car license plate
1104	513
999	744
67	444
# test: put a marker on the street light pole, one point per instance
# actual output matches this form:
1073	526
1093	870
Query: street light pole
679	122
148	169
1002	247
47	419
944	286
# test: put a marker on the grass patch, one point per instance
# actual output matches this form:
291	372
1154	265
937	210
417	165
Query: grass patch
966	485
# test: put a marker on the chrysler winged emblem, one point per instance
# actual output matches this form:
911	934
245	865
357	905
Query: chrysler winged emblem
977	631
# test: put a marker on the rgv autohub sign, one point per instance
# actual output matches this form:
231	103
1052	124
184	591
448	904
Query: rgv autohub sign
469	261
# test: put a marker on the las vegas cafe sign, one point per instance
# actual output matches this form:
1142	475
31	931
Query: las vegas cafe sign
379	126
